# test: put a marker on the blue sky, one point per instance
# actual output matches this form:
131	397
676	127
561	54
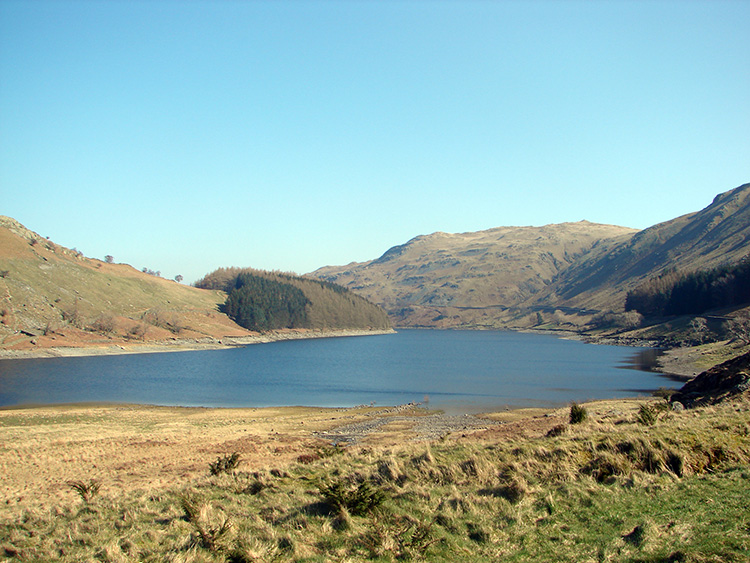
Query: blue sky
185	136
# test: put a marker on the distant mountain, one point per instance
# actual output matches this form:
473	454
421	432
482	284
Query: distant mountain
561	275
52	296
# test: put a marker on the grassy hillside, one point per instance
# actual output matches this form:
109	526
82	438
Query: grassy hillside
54	296
329	306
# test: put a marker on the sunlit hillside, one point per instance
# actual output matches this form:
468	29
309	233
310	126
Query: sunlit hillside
52	296
561	275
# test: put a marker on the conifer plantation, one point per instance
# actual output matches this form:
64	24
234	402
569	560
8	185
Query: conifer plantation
263	301
679	293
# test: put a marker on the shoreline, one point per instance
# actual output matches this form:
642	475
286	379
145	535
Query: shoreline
681	363
184	345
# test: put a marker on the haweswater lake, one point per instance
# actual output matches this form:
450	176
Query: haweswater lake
455	371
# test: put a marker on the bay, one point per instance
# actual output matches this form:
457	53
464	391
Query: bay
455	371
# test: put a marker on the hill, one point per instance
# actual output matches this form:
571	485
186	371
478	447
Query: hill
320	305
54	297
471	280
553	276
716	235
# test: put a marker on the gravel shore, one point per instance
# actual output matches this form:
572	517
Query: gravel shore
423	427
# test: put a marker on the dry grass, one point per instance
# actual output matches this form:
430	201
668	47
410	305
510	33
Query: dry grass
607	489
138	447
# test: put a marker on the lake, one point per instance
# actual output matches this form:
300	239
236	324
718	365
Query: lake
457	371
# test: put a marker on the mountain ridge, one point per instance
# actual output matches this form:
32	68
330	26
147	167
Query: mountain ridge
571	271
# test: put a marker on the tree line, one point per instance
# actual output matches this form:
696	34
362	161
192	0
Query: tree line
674	293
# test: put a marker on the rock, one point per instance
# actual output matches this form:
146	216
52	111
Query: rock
717	384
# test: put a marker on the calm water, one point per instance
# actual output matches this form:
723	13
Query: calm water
459	371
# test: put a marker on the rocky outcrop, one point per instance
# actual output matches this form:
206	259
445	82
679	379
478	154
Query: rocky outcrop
721	382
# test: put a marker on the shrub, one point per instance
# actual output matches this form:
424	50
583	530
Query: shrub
138	331
163	319
73	316
739	328
105	324
307	459
401	537
578	413
208	532
358	500
327	451
224	464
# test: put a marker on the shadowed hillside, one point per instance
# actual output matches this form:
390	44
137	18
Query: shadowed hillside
716	235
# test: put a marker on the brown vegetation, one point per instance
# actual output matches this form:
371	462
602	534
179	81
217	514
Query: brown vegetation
56	301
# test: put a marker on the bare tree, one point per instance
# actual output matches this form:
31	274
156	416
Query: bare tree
699	330
105	323
739	328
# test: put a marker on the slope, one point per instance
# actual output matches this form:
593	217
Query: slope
716	235
471	279
328	306
54	296
557	275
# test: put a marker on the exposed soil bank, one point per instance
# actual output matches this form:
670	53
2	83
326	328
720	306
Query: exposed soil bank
183	345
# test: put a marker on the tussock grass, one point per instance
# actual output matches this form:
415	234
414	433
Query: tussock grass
578	413
85	489
607	490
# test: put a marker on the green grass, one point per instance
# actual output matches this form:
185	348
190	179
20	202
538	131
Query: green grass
677	490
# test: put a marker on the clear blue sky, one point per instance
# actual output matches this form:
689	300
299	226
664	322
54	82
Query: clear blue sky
185	136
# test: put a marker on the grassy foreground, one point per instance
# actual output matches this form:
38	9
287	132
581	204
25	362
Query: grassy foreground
625	484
